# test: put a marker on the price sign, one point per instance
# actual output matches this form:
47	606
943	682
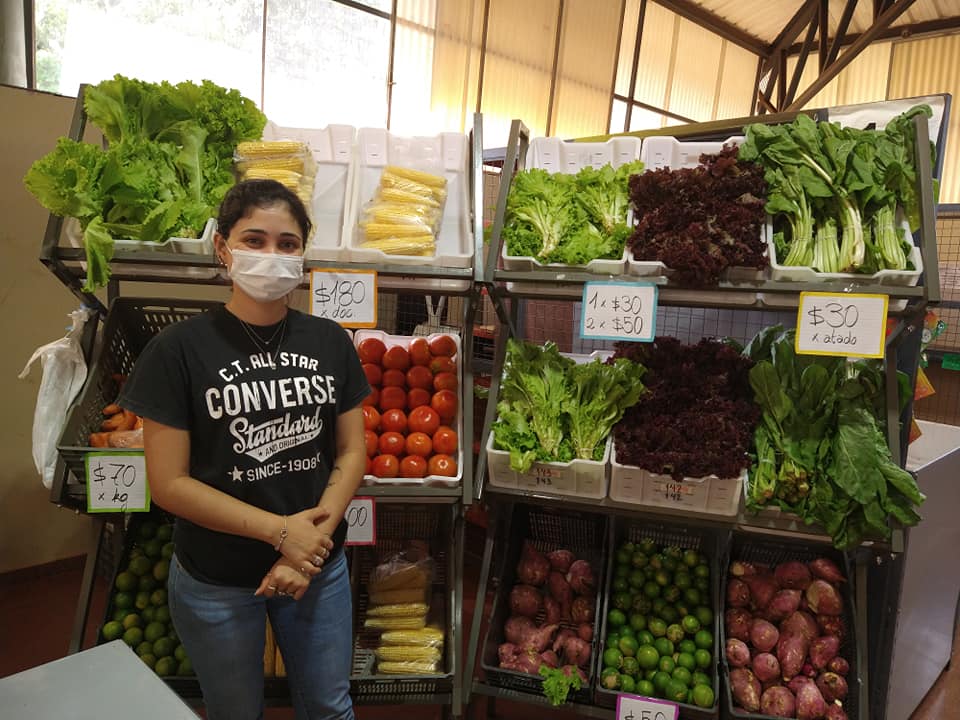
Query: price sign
347	296
361	518
117	482
847	325
635	707
619	311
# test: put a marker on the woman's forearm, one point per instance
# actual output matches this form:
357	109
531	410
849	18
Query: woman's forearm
344	480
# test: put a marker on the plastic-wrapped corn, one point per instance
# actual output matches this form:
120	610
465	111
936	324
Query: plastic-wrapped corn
424	637
395	623
398	610
270	148
419	176
407	667
403	653
416	245
395	195
404	595
401	214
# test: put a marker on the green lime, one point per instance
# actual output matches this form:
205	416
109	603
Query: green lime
627	684
631	666
703	658
628	547
662	578
638	621
703	585
164	647
136	551
666	664
691	558
158	597
651	590
621	571
660	681
126	581
147	530
132	620
155	631
669	614
140	565
675	691
671	593
123	600
144	648
185	667
641	604
688	661
692	596
687	646
148	614
161	570
627	631
120	613
142	600
161	614
656	561
628	646
675	633
149	659
658	605
682	674
622	600
616	618
647	657
180	653
663	646
648	674
702	696
704	615
645	688
613	658
620	585
165	667
700	678
639	560
636	578
647	547
112	630
657	627
173	635
166	552
613	639
701	571
645	637
704	639
610	679
670	564
623	557
147	583
133	636
165	532
682	580
690	624
152	548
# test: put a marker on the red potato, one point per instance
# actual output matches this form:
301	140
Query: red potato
560	560
824	598
525	600
839	666
810	703
528	662
585	631
582	610
738	623
793	575
745	688
562	637
835	712
826	570
576	651
738	654
783	605
823	650
517	629
832	625
738	594
798	682
778	701
801	623
549	658
809	670
551	609
540	639
766	667
762	589
559	588
832	686
763	635
581	579
791	652
533	567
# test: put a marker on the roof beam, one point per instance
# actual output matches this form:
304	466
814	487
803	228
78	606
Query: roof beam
802	59
775	60
899	32
842	27
716	24
893	11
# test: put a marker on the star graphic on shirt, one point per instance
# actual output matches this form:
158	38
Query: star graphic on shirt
236	474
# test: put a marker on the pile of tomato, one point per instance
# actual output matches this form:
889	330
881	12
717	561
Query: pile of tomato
410	415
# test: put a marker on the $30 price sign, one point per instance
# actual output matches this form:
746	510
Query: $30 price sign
845	324
117	482
618	311
348	297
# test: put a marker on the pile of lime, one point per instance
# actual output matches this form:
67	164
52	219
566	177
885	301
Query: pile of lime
141	617
660	640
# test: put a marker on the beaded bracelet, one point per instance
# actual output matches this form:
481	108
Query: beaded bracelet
283	534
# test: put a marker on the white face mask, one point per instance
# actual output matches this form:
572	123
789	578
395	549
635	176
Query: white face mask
265	276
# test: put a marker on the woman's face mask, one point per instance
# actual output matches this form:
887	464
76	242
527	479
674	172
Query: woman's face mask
265	276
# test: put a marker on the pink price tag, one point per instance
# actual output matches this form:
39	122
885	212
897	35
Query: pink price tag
635	707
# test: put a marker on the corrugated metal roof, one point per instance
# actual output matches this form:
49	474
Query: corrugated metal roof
764	19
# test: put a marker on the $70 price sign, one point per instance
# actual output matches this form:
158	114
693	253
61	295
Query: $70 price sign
117	482
618	311
845	324
348	297
361	519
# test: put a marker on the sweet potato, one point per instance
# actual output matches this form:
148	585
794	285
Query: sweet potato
738	623
561	638
581	578
791	652
576	651
745	688
824	598
517	629
763	635
839	666
740	569
559	588
551	608
798	682
582	610
738	654
793	574
826	570
810	703
507	652
783	605
738	594
832	686
549	658
823	650
801	623
533	567
762	589
832	625
585	631
540	639
560	560
835	712
525	600
766	667
778	702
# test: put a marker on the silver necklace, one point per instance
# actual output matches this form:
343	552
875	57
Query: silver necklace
264	345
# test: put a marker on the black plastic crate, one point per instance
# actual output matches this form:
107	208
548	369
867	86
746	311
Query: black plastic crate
772	551
130	325
709	542
398	523
585	535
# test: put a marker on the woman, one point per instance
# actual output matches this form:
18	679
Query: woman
253	436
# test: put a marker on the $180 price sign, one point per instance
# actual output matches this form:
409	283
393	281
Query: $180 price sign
845	325
348	297
117	482
619	311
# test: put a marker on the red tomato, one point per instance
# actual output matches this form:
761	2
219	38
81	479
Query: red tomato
419	443
386	466
419	377
420	351
423	419
445	440
394	378
373	398
394	421
372	441
373	373
392	443
371	350
445	381
396	358
392	397
442	465
413	466
371	418
417	398
445	403
442	364
443	345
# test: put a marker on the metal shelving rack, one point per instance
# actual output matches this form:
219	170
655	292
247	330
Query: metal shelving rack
871	560
66	264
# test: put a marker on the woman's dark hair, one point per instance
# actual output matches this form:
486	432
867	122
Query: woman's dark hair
246	195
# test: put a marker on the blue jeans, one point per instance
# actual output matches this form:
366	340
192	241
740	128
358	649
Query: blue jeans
223	631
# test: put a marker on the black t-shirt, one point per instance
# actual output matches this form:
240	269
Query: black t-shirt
262	428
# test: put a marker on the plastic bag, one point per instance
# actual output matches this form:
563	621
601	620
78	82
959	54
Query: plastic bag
64	372
428	636
411	568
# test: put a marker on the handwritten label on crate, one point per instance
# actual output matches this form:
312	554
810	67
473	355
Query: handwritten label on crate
844	325
619	311
547	479
361	518
117	482
635	707
348	297
672	491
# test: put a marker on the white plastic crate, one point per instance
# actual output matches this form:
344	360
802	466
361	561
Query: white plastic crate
403	341
445	154
710	495
664	151
582	478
